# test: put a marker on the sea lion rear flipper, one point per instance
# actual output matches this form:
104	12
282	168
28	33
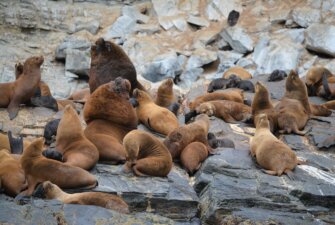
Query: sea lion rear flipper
190	115
13	109
174	107
23	199
16	144
45	101
326	86
303	132
133	102
290	174
301	162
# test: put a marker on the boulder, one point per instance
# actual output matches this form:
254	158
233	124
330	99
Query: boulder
71	42
201	57
238	39
305	16
78	62
121	27
321	38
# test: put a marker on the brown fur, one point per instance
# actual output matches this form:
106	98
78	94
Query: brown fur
320	110
314	79
45	90
21	90
146	154
108	201
229	111
271	154
179	138
77	150
81	95
193	155
62	103
262	104
238	71
12	177
110	116
165	96
330	105
232	94
153	116
38	169
108	62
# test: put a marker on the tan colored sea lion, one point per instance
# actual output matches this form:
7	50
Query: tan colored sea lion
77	150
314	79
38	169
49	190
193	155
229	111
330	105
12	177
109	61
146	154
320	110
238	71
271	154
62	103
179	138
110	116
153	116
262	104
21	90
165	96
231	94
81	95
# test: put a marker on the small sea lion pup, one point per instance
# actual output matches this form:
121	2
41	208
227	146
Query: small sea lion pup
271	154
261	104
232	94
77	150
38	169
49	190
245	85
157	118
277	75
179	138
233	18
12	177
109	61
80	95
229	111
238	71
21	90
219	83
193	155
314	79
146	154
110	116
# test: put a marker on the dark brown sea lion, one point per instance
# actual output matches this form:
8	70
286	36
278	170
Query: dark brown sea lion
109	61
146	154
277	75
193	155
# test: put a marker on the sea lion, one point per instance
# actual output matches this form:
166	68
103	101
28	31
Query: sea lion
50	131
237	82
14	148
261	104
53	154
76	149
155	117
174	108
233	17
320	110
21	90
146	154
219	83
12	177
328	91
330	105
238	71
110	116
219	143
49	190
232	94
193	155
109	61
229	111
80	96
38	169
62	103
314	79
271	154
165	96
277	75
179	138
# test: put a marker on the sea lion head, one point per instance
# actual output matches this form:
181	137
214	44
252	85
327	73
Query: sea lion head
18	69
33	62
35	148
260	88
172	142
262	121
206	108
293	81
166	85
141	96
46	190
120	86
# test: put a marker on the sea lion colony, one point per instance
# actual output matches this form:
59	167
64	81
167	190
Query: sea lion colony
114	106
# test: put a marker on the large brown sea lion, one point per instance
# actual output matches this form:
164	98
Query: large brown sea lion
146	154
238	71
49	190
193	155
21	90
110	116
165	96
77	150
314	79
109	61
153	116
38	169
271	154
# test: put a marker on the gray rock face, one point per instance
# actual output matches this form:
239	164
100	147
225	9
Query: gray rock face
321	38
197	21
78	62
219	9
91	25
71	42
201	57
228	59
121	27
133	12
305	16
238	39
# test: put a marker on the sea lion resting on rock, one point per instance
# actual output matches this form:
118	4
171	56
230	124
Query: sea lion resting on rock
21	90
49	190
229	111
193	155
238	71
219	143
232	82
108	62
38	169
219	83
179	138
277	75
165	96
12	177
77	150
157	118
271	154
80	96
109	117
314	79
146	154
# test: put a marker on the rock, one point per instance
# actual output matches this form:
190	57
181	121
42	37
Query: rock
71	42
206	36
199	21
305	16
121	27
162	67
321	38
279	16
147	28
91	25
201	57
134	13
238	39
296	35
228	59
78	62
219	9
189	76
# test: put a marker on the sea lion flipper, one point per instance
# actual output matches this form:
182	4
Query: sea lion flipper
190	115
16	144
45	101
290	174
325	85
23	199
174	107
13	109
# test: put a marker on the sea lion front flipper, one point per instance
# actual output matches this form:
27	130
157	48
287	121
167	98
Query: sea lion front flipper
13	109
270	172
23	199
190	115
53	154
228	118
16	144
45	101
